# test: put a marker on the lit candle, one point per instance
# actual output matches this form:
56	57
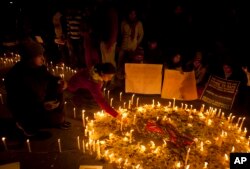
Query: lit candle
1	98
202	146
205	165
28	145
137	102
124	105
187	167
173	102
74	111
187	156
242	122
59	145
134	121
181	105
108	94
132	99
98	149
186	106
83	118
233	149
238	121
130	136
129	104
83	146
111	102
202	108
104	92
153	102
226	157
120	96
78	143
178	165
4	143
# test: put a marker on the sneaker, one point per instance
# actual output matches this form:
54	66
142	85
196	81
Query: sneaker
25	131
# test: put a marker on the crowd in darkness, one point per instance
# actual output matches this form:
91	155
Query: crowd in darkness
188	25
215	28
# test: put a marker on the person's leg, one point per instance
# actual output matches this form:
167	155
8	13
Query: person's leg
56	117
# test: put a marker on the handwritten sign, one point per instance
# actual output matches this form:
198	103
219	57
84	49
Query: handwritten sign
220	92
143	78
179	85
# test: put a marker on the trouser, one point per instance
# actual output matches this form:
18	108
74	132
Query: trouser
34	117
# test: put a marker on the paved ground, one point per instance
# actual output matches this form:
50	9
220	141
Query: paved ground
45	153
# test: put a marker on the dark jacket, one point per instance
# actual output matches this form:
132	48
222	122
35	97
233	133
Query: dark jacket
28	88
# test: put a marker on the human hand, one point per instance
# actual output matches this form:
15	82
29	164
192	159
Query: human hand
244	68
51	105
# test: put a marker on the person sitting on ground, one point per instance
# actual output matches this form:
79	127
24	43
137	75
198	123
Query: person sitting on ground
200	70
93	80
34	96
153	53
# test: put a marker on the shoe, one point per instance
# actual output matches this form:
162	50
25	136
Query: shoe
26	132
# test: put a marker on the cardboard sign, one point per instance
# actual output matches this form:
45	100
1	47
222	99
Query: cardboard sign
220	92
179	85
143	78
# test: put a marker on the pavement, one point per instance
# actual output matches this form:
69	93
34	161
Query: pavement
45	152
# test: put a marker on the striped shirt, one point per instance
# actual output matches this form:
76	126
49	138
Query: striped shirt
74	25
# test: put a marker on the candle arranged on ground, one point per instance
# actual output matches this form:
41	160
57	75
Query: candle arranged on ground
166	136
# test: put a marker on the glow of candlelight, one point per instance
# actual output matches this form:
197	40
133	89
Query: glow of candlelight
132	99
134	121
28	145
83	118
173	102
130	136
233	149
226	157
202	146
178	165
205	165
4	143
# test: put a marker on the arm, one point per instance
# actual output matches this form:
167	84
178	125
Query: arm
74	83
97	95
201	75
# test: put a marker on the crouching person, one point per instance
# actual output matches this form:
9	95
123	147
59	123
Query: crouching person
34	96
